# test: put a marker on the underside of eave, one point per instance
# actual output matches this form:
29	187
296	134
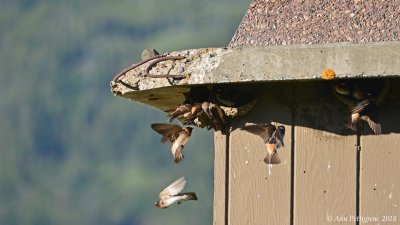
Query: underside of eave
206	68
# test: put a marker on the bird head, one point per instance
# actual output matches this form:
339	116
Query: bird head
188	130
158	204
343	88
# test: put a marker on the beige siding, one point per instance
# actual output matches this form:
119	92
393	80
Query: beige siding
325	162
219	178
380	170
329	181
260	194
380	178
325	177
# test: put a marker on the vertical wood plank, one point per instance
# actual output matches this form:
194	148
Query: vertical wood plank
325	177
220	181
260	194
380	157
325	162
380	179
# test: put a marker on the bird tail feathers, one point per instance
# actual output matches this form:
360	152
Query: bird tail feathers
178	156
191	196
272	158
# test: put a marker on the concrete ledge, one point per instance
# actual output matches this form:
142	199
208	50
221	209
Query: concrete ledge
256	64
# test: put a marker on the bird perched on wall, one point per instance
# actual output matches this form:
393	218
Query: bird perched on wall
362	96
170	195
175	134
273	139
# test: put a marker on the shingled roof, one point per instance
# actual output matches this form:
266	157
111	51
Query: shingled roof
288	22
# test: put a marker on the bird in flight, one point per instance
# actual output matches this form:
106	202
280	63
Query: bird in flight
273	139
171	195
175	134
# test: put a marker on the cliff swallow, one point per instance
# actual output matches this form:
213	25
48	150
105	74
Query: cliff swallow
365	110
175	134
195	111
214	114
362	96
273	139
170	195
179	111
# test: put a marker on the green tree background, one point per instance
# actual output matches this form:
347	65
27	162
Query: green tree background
71	152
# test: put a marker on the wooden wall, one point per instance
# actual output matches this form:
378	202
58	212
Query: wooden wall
328	174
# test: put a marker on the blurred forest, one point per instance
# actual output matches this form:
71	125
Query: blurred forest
70	151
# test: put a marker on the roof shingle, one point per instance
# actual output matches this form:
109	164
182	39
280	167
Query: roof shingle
287	22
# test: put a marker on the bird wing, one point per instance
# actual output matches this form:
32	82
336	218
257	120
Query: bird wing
170	132
376	127
265	131
279	135
371	116
217	117
172	109
174	188
361	106
179	110
369	112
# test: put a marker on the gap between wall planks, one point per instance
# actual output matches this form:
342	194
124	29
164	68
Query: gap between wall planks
380	160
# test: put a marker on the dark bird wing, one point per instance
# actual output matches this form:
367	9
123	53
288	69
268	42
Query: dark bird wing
217	117
178	111
371	116
361	106
265	131
375	126
170	132
279	135
169	111
368	111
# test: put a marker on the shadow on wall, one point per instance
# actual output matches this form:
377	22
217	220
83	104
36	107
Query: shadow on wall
315	104
306	103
